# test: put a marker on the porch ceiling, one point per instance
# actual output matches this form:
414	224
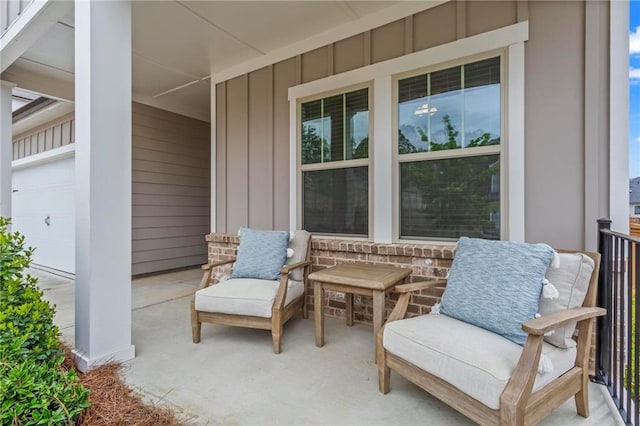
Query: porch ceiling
177	45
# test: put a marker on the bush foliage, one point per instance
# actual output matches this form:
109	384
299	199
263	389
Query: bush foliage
34	388
631	372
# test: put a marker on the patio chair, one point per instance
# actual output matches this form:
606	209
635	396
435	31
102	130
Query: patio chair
489	377
260	292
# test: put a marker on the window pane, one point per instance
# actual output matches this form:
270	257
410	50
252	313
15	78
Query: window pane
336	201
333	124
313	144
413	115
336	128
458	107
451	198
357	124
482	103
447	102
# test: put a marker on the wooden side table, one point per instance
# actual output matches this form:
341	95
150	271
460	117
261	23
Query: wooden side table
355	278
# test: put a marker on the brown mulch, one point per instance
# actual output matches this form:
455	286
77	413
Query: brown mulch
115	403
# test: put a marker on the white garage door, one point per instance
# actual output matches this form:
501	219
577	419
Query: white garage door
43	211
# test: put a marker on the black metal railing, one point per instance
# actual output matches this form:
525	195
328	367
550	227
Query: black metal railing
617	343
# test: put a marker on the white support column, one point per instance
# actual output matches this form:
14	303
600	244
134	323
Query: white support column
6	148
103	182
619	116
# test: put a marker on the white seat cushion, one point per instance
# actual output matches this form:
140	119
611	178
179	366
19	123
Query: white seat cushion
474	360
244	296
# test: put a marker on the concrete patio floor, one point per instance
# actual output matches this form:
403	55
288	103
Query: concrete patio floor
233	378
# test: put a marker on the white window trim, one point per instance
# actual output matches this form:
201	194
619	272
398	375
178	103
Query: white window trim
382	162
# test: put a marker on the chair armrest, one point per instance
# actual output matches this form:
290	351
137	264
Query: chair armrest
542	325
208	266
518	391
288	268
207	279
405	290
411	287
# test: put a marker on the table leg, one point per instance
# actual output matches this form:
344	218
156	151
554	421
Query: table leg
318	312
348	297
378	314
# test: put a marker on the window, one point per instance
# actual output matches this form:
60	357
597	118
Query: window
443	154
636	209
449	128
334	138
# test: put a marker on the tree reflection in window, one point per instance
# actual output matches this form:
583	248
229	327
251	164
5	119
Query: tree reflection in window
336	128
454	108
450	198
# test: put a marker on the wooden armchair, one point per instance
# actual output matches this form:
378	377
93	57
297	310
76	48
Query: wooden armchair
520	395
254	303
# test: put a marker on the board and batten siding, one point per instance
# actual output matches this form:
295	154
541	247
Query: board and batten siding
171	190
566	120
46	137
252	123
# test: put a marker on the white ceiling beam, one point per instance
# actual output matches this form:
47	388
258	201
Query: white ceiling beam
351	28
46	85
29	27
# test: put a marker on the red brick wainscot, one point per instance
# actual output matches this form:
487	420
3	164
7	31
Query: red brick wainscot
426	261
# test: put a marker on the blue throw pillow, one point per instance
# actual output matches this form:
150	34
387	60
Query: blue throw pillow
496	285
261	254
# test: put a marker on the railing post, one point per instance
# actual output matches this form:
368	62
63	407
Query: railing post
603	350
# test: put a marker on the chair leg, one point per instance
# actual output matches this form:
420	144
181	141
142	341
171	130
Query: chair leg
384	372
305	310
276	330
582	400
195	324
384	377
276	335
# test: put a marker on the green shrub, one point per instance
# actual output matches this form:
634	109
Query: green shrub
34	388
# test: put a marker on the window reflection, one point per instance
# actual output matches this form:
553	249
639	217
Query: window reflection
454	108
336	128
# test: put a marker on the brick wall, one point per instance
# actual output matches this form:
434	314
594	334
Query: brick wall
426	261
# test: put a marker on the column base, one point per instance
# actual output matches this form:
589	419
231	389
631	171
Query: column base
85	363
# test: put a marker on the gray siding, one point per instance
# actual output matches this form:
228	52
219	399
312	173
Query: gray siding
170	193
49	136
253	109
554	123
566	112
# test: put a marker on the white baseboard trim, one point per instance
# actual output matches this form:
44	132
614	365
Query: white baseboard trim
85	363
